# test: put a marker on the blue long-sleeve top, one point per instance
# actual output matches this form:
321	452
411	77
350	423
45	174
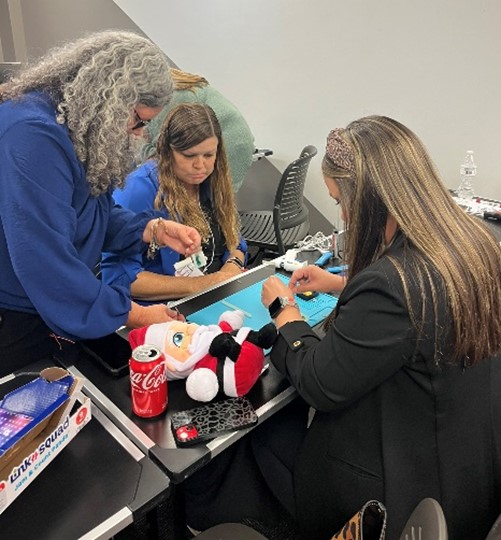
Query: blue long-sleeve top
138	195
52	231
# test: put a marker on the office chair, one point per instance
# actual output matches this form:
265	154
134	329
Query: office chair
427	521
495	532
280	229
230	531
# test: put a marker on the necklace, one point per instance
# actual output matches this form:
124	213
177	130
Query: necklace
211	238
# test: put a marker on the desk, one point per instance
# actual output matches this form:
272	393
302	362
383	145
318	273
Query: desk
477	206
97	486
495	227
153	436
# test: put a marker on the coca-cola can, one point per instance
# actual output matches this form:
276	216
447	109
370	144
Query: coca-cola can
148	379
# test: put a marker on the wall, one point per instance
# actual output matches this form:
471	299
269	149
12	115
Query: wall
297	69
45	23
12	42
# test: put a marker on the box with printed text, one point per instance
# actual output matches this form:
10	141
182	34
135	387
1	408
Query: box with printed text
36	425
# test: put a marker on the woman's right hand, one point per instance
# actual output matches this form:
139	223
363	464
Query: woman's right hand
314	278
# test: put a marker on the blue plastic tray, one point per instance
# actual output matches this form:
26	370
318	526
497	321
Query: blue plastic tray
248	300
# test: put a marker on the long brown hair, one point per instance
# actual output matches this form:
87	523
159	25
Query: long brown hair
185	126
394	175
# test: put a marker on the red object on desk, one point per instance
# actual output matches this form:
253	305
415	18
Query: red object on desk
148	379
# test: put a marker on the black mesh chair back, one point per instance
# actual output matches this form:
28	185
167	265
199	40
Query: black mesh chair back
280	229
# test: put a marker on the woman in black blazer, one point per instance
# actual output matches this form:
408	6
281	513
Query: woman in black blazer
405	383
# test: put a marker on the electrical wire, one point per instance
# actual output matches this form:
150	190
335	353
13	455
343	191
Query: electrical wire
318	242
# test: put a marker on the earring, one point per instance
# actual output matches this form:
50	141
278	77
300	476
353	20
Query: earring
60	117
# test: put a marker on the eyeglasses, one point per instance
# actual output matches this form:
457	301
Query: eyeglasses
140	123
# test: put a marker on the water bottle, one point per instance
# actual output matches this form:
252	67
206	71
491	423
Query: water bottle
468	171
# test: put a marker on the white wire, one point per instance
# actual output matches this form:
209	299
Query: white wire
318	242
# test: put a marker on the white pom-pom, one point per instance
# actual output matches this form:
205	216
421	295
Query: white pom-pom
202	385
234	318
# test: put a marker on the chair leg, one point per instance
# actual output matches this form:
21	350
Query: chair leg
254	256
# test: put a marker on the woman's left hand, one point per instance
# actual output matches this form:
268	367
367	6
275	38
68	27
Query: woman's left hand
175	315
272	288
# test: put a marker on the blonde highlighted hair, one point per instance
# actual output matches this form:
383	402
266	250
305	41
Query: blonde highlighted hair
187	81
394	175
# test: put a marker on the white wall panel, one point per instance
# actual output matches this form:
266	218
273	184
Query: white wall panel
296	69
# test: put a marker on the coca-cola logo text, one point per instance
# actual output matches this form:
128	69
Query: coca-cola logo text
151	380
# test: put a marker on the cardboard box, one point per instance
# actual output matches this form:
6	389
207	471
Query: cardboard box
31	454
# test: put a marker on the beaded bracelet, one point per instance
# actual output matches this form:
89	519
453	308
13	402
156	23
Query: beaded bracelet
154	245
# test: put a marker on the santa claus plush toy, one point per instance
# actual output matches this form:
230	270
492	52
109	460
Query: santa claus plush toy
214	358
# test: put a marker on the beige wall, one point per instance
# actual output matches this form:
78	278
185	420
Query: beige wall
297	69
45	23
12	42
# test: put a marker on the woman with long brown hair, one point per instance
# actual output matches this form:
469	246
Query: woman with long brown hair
189	180
405	382
404	387
237	135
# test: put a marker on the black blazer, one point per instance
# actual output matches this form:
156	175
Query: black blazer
391	424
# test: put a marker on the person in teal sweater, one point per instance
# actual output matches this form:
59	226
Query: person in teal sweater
237	136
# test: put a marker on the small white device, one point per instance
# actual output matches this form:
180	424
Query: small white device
288	262
191	266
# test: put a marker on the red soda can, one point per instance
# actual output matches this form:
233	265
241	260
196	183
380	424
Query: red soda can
148	379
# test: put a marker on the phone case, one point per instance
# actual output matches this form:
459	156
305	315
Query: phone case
208	421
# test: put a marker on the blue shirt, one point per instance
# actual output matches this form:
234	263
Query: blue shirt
52	231
139	194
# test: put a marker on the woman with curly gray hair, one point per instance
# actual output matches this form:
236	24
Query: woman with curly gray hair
68	125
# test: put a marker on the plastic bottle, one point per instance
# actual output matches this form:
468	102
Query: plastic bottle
468	171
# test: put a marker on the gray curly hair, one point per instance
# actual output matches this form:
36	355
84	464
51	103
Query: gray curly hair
95	82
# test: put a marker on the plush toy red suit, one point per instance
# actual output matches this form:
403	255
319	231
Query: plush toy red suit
210	357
